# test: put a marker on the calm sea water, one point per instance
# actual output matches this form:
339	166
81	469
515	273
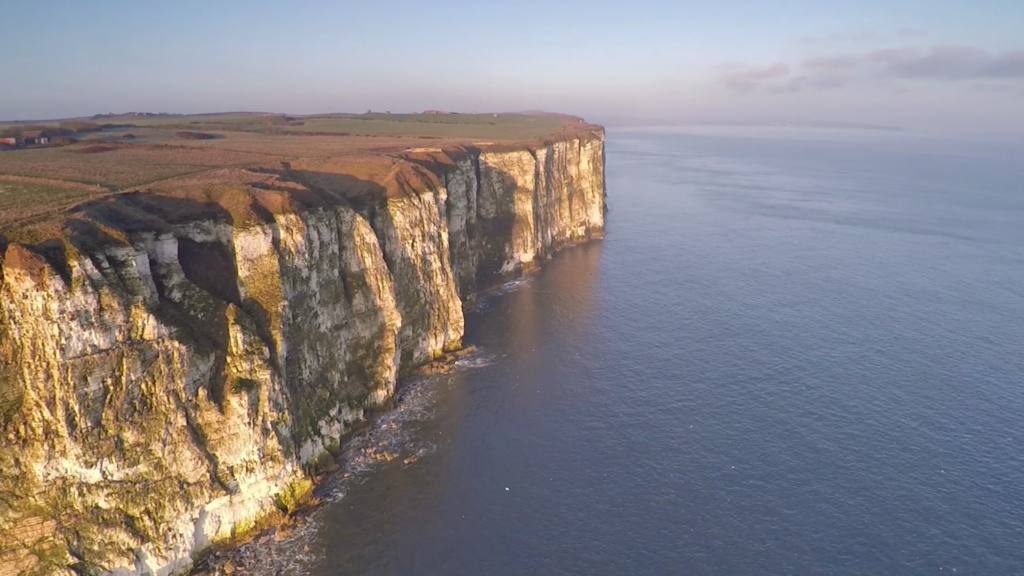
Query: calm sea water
796	352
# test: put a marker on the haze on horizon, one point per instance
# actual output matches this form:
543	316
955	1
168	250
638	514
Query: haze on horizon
920	64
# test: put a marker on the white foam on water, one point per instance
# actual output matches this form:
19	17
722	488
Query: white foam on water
485	302
390	437
474	361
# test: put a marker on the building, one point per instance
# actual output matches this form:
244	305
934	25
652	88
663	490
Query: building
35	137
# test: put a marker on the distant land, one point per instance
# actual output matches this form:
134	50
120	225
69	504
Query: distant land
756	124
841	125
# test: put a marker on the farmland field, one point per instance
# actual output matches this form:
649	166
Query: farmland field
116	168
473	126
111	154
23	199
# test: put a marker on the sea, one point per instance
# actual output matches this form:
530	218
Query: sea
797	351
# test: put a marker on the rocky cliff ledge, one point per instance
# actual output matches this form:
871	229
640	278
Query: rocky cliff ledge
174	365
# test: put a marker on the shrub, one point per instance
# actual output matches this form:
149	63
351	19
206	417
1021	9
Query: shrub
81	126
187	135
94	149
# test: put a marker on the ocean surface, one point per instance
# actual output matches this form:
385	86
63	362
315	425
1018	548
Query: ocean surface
797	351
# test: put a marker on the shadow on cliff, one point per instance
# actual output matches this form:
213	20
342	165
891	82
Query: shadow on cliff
379	202
369	200
473	259
318	393
488	239
98	228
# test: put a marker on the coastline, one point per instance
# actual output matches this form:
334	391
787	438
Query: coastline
364	448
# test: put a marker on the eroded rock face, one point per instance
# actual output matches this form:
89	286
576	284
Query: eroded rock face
168	389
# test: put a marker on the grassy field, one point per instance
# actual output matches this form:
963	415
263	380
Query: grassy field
120	167
158	152
472	126
27	199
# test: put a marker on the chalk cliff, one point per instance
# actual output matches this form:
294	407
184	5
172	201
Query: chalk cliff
173	369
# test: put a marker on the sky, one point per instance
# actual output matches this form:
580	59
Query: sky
918	64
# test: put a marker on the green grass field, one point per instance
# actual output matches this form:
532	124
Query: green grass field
22	200
471	126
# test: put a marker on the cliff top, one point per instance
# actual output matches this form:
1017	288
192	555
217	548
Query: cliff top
137	170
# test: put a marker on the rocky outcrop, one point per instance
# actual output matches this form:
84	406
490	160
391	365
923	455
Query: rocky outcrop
173	369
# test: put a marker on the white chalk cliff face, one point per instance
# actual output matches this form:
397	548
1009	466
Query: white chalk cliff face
167	388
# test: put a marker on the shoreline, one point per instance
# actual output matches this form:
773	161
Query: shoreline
230	557
227	557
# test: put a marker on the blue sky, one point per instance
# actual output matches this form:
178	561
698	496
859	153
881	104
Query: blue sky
914	63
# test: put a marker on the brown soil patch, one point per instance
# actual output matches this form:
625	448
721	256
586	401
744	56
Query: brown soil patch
187	135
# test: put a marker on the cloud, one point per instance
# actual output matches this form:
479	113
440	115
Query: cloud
887	65
867	36
792	85
911	33
1008	65
744	79
831	63
839	37
1015	90
938	63
943	62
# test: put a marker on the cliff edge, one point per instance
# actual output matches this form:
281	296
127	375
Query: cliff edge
175	363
